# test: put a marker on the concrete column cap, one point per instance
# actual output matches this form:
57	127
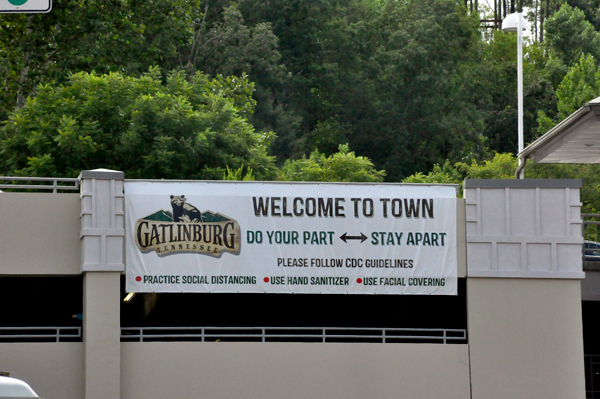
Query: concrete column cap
101	173
522	183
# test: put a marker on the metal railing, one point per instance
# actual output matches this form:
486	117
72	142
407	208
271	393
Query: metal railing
293	334
591	236
592	370
39	334
55	185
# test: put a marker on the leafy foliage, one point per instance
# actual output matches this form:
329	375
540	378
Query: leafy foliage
407	84
343	166
179	129
130	36
569	35
580	85
390	78
497	93
502	166
236	174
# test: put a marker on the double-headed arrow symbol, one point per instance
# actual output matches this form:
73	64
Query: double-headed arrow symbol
346	237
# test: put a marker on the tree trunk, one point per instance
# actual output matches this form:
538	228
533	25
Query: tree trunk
496	13
543	15
535	21
197	43
25	68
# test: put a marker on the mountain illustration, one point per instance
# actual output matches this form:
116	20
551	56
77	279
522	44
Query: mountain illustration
210	216
161	216
167	216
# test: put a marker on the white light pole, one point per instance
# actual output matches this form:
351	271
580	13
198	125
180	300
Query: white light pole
516	23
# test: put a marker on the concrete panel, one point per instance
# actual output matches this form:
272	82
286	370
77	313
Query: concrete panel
509	256
102	220
575	212
565	256
539	257
555	212
523	230
293	370
39	233
521	222
54	370
492	205
479	257
461	238
525	338
101	334
590	286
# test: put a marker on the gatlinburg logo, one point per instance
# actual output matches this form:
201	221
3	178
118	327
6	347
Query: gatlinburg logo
186	229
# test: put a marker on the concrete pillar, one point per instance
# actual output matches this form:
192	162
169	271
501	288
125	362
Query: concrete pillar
102	240
524	298
102	220
101	335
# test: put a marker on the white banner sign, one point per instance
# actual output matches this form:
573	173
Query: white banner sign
291	238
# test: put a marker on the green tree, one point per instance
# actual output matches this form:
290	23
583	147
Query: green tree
497	91
391	78
96	35
503	166
224	43
343	166
180	129
238	174
439	174
580	85
312	39
129	36
591	9
569	35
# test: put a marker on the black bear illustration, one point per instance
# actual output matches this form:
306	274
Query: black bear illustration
184	212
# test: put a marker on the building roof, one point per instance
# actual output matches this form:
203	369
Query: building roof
574	140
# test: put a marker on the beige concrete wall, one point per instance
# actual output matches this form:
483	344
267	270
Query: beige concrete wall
101	334
39	233
54	370
525	338
461	238
293	370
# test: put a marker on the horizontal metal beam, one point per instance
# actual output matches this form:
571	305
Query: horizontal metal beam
322	334
56	333
55	186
